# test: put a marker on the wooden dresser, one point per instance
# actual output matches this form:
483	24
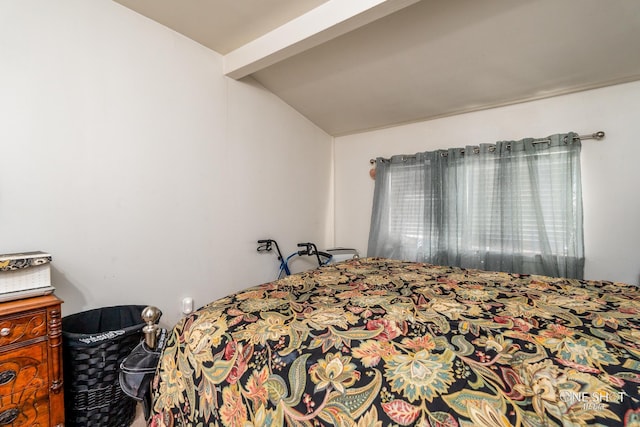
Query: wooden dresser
31	386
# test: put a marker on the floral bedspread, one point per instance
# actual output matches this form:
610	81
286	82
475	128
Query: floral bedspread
377	342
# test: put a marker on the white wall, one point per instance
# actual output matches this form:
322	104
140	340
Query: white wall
610	168
147	175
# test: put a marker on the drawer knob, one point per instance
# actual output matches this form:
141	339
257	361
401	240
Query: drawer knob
7	376
4	332
9	416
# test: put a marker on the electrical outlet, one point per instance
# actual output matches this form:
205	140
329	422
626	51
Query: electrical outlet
187	305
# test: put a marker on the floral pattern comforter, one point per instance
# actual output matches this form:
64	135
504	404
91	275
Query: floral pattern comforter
378	342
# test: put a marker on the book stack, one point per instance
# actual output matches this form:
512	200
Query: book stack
24	275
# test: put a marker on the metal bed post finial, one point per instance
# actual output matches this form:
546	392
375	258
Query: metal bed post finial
151	315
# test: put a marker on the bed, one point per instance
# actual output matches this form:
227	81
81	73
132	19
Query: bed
378	342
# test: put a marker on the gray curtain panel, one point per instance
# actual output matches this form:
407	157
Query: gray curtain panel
513	206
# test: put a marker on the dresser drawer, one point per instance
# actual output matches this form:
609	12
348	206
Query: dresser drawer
31	380
27	408
22	327
24	368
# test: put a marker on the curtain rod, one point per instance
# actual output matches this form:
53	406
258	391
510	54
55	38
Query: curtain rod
596	135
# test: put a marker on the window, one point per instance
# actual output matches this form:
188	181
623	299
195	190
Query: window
512	206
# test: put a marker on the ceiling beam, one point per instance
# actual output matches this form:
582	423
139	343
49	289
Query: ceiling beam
329	20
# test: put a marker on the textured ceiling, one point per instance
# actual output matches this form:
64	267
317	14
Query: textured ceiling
222	25
426	60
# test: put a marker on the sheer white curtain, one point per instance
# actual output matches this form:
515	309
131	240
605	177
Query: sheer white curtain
513	206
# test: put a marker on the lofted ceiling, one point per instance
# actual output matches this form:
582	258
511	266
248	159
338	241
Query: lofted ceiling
351	66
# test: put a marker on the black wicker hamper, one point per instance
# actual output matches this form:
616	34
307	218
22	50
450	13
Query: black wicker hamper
94	344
